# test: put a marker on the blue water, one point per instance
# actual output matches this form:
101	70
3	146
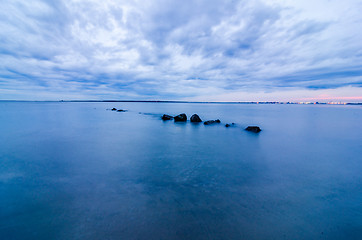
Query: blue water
78	171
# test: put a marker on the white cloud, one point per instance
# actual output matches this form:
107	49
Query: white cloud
176	49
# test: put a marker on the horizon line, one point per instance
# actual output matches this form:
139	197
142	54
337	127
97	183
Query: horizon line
180	101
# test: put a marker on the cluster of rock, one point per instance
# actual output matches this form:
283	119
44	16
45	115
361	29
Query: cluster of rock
118	110
182	118
210	122
196	119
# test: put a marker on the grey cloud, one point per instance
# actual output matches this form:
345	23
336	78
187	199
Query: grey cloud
155	48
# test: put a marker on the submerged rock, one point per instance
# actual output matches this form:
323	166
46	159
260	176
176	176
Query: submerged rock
195	118
180	118
166	117
212	122
254	129
114	109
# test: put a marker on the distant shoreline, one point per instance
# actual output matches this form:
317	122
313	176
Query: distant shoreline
201	102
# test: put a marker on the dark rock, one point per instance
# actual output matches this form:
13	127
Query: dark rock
166	117
180	118
229	125
212	122
121	110
254	129
114	109
195	118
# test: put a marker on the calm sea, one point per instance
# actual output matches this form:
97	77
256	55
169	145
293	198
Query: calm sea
79	171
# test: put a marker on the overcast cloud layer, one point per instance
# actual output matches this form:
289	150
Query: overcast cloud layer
171	49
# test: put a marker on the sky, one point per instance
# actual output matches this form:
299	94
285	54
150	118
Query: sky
200	50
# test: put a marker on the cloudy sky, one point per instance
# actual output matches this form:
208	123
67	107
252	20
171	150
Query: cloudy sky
219	50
